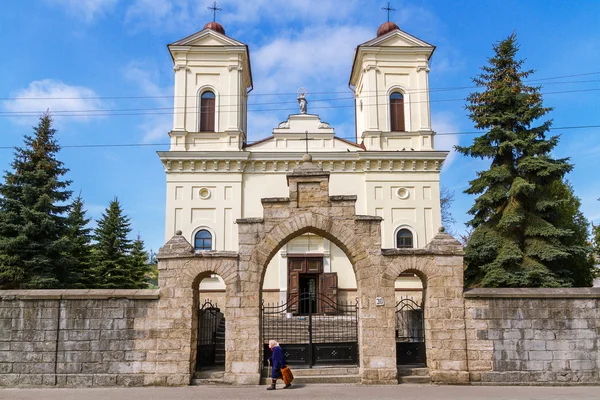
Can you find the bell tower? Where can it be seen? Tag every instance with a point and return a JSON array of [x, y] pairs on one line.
[[391, 90], [212, 82]]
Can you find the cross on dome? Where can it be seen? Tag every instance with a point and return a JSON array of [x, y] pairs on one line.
[[388, 9], [214, 9]]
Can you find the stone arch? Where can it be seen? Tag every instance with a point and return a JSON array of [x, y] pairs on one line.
[[335, 231], [194, 270]]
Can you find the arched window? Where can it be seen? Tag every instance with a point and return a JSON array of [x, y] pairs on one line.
[[207, 112], [404, 239], [396, 112], [203, 240]]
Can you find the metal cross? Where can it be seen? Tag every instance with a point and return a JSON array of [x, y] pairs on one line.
[[306, 139], [214, 9], [388, 9]]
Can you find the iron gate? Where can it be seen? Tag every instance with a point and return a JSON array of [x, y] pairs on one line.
[[410, 333], [211, 336], [320, 331]]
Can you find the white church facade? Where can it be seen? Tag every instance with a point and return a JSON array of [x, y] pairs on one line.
[[215, 176]]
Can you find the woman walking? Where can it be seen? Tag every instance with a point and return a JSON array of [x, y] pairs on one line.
[[277, 361]]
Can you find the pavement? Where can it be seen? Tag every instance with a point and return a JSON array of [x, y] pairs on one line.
[[314, 391]]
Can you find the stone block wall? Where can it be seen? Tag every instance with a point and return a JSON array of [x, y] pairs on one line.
[[533, 336], [73, 337]]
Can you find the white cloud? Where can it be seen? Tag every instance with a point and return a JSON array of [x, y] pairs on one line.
[[86, 10], [155, 127], [320, 60], [66, 102]]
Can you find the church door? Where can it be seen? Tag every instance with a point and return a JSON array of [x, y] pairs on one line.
[[305, 282]]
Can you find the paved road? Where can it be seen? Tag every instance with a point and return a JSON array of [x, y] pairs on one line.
[[320, 391]]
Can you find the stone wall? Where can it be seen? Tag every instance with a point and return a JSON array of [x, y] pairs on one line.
[[533, 336], [74, 337]]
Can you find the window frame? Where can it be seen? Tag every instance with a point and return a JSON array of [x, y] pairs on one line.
[[397, 110], [202, 114], [412, 232], [204, 248]]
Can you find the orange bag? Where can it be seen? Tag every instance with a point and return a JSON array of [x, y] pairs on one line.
[[286, 374]]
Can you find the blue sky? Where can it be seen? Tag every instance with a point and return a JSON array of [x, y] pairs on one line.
[[111, 55]]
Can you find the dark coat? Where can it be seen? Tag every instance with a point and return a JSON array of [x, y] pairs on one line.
[[277, 362]]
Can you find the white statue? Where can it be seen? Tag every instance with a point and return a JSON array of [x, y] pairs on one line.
[[302, 100]]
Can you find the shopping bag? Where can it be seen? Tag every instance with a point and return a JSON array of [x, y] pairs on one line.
[[286, 374]]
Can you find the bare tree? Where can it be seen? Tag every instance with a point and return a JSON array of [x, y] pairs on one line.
[[446, 200]]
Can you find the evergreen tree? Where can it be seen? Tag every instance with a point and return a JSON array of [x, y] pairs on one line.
[[596, 243], [33, 238], [111, 252], [514, 243], [139, 264], [152, 274], [578, 268], [79, 264]]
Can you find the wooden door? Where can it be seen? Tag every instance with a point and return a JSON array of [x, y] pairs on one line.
[[293, 285], [328, 285], [297, 265], [314, 265]]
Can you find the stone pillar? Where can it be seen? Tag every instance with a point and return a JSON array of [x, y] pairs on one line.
[[245, 344], [445, 332]]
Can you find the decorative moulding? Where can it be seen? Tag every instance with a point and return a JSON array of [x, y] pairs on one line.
[[204, 193], [403, 193]]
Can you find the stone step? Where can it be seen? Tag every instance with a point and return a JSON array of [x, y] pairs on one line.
[[417, 379], [210, 374], [346, 379], [319, 371], [201, 382], [413, 371]]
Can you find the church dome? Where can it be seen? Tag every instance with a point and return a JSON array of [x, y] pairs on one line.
[[386, 27], [215, 26]]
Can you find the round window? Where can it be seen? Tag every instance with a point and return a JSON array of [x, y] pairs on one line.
[[402, 193], [204, 193]]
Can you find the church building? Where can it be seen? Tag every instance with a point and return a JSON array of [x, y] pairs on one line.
[[216, 176]]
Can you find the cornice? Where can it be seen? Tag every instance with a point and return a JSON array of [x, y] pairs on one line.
[[273, 162]]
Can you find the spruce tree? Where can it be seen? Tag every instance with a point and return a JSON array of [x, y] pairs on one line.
[[33, 205], [578, 268], [514, 243], [80, 274], [111, 250], [139, 264]]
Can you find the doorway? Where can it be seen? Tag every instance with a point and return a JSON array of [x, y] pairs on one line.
[[308, 285]]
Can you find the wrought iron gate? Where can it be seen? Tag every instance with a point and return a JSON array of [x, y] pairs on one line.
[[211, 336], [308, 337], [410, 333]]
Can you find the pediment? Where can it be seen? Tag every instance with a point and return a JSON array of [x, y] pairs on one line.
[[296, 144], [207, 37], [397, 38]]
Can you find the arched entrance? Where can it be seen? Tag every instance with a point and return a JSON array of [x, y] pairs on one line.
[[309, 303], [210, 345], [410, 320]]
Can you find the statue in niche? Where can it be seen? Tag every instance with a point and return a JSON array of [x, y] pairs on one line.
[[302, 102]]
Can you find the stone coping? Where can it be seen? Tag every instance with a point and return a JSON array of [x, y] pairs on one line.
[[80, 294], [367, 218], [275, 200], [419, 252], [249, 221], [343, 197], [533, 293]]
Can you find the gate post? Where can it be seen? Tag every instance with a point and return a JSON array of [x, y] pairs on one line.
[[377, 327]]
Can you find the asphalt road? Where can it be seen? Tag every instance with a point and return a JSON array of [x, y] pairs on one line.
[[320, 391]]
